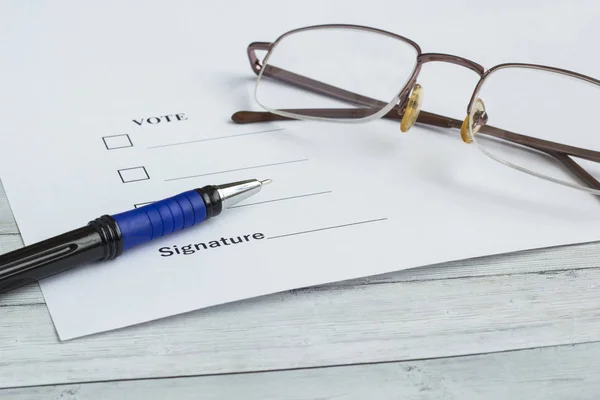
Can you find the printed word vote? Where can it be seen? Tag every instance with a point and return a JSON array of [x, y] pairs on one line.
[[161, 119]]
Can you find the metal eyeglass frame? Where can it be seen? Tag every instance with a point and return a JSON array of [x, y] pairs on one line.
[[395, 109]]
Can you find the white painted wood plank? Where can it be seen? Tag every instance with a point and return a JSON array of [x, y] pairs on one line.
[[583, 256], [372, 323], [7, 222], [10, 242], [564, 258], [536, 261], [566, 372], [27, 295]]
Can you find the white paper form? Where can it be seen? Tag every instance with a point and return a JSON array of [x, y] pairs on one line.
[[108, 108]]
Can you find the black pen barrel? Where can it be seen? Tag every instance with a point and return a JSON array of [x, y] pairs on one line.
[[99, 240]]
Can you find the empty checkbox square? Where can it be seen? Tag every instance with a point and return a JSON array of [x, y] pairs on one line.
[[114, 142], [134, 174]]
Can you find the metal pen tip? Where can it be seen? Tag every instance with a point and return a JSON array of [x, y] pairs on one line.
[[234, 192]]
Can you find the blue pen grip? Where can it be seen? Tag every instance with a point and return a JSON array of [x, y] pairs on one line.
[[160, 218]]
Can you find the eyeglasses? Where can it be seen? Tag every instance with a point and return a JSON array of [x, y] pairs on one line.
[[543, 117]]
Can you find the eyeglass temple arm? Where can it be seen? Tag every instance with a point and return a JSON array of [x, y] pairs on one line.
[[559, 151], [426, 118]]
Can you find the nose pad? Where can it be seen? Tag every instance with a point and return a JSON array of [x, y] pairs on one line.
[[476, 119], [412, 109]]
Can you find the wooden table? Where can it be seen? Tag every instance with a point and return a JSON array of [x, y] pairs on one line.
[[520, 326]]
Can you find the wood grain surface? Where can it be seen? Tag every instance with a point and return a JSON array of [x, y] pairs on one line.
[[523, 325]]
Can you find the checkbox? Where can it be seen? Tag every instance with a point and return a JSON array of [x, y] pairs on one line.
[[138, 205], [134, 174], [117, 142]]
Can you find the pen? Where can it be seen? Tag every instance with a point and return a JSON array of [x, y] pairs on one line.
[[108, 237]]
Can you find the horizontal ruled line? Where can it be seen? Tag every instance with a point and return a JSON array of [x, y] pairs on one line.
[[328, 228], [281, 199], [214, 138], [237, 169]]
